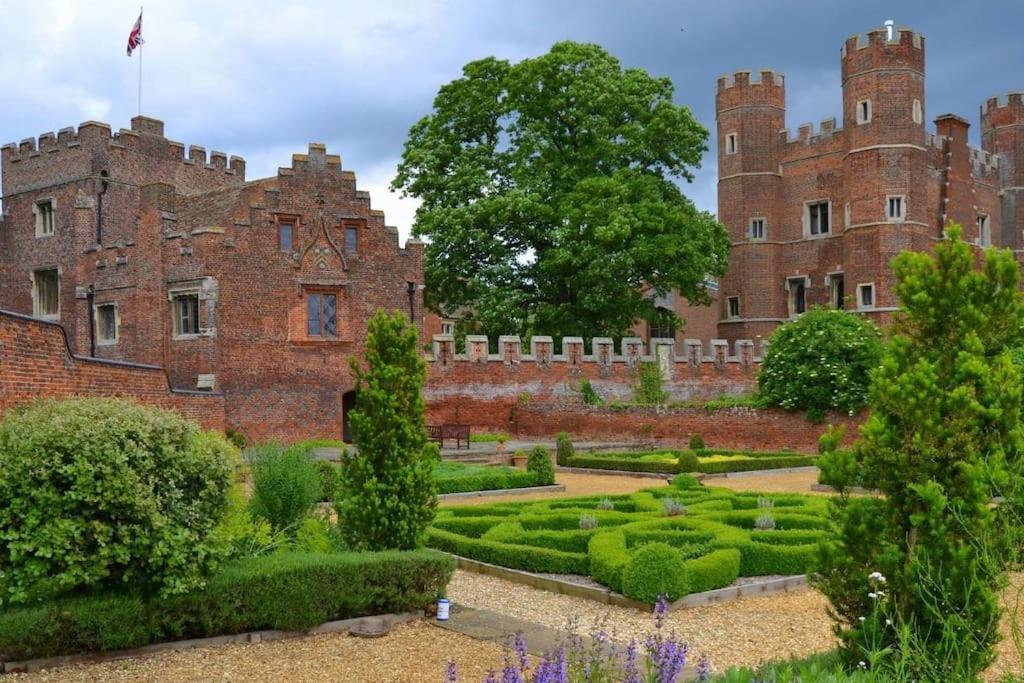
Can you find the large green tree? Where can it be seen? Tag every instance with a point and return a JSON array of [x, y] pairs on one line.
[[912, 575], [549, 194]]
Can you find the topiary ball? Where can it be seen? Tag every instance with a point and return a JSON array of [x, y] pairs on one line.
[[688, 462], [653, 570]]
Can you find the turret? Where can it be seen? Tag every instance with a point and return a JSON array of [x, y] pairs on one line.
[[1002, 134]]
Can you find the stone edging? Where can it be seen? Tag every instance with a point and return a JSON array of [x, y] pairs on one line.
[[33, 665], [615, 473], [553, 488], [606, 596], [751, 473]]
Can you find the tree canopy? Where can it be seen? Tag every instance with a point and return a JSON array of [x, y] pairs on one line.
[[550, 198]]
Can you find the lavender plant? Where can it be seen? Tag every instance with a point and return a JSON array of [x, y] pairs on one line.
[[672, 507], [587, 522], [606, 504], [763, 503], [765, 522], [661, 660]]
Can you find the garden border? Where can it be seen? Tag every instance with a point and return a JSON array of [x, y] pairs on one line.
[[34, 665], [489, 493], [754, 473], [606, 596], [664, 476]]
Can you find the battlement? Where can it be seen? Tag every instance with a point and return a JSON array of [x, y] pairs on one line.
[[1002, 110], [982, 161], [874, 50], [316, 158], [542, 351], [765, 88], [742, 79], [71, 148], [806, 133], [878, 38]]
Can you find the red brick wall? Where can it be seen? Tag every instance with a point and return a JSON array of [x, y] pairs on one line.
[[35, 362]]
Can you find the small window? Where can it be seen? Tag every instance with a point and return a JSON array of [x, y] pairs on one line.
[[447, 327], [818, 218], [352, 239], [731, 145], [286, 235], [797, 296], [46, 293], [757, 228], [895, 209], [846, 215], [918, 112], [863, 112], [984, 231], [106, 323], [321, 314], [734, 307], [866, 296], [186, 313], [44, 217], [837, 291]]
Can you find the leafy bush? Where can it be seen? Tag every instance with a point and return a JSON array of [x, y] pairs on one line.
[[459, 478], [688, 461], [104, 492], [285, 487], [291, 592], [236, 439], [685, 481], [387, 487], [648, 389], [564, 449], [821, 360], [330, 479], [831, 439], [697, 443], [539, 462], [589, 395], [654, 570]]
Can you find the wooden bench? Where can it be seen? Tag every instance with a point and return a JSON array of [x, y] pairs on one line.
[[438, 434]]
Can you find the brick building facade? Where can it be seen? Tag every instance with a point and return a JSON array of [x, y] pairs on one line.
[[817, 218], [260, 290]]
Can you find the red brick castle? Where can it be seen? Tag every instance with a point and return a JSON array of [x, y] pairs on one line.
[[816, 219]]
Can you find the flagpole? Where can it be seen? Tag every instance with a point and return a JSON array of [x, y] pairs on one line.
[[140, 68]]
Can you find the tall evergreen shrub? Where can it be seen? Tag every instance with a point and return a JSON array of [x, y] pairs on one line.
[[387, 492]]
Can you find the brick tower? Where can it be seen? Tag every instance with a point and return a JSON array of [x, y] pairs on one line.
[[1002, 133]]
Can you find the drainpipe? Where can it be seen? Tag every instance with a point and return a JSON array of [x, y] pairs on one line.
[[411, 291], [90, 299], [99, 208]]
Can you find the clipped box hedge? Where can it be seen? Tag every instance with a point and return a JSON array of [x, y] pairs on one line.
[[482, 478], [708, 547], [292, 592], [694, 461]]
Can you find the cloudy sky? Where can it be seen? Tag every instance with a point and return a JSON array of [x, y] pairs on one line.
[[262, 79]]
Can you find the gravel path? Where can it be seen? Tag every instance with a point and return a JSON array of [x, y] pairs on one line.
[[575, 485], [768, 481]]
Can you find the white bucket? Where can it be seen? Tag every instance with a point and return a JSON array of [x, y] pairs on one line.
[[443, 605]]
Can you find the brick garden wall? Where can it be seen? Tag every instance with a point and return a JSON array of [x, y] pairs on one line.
[[35, 362]]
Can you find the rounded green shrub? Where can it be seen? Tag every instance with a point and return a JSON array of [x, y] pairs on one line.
[[539, 462], [821, 360], [104, 492], [330, 479], [688, 461], [564, 449], [653, 570], [697, 443], [685, 481], [285, 485]]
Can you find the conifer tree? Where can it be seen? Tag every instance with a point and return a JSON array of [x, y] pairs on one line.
[[388, 490], [913, 575]]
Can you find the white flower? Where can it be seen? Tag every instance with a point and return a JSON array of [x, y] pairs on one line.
[[871, 595], [860, 619], [862, 664], [888, 622]]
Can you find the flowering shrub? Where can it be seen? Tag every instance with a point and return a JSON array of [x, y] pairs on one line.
[[820, 360], [672, 507], [606, 504], [588, 522], [661, 658], [765, 522]]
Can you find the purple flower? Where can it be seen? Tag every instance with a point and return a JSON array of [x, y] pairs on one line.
[[451, 674], [519, 646], [631, 672], [703, 671], [660, 611]]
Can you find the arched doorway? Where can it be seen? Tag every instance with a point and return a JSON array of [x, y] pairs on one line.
[[348, 402]]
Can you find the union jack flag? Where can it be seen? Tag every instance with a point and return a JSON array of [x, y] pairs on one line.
[[135, 37]]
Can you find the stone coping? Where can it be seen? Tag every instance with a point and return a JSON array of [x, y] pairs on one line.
[[553, 488], [606, 596], [615, 473], [754, 473], [343, 625]]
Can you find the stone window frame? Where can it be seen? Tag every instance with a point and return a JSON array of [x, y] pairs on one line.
[[359, 226], [752, 233], [339, 300], [902, 204], [293, 219], [807, 218], [864, 112], [448, 327], [861, 306], [729, 301], [181, 290], [732, 143], [40, 217], [36, 302], [805, 280], [847, 216], [831, 278], [984, 223], [100, 340], [917, 111]]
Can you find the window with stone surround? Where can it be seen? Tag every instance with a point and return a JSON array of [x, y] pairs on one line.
[[817, 217], [918, 112], [352, 239], [46, 294], [837, 291], [107, 324], [44, 213], [984, 231], [185, 310], [797, 287], [896, 207], [662, 327], [866, 296], [322, 314], [863, 112], [731, 143], [733, 307], [757, 228], [285, 235], [447, 327]]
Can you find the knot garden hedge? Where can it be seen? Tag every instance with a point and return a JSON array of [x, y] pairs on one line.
[[712, 543]]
